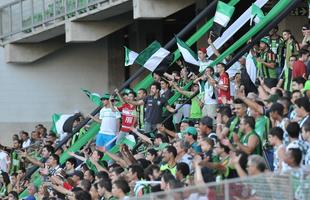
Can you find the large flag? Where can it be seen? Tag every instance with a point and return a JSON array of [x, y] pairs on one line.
[[130, 56], [94, 97], [257, 14], [152, 56], [222, 17], [63, 124], [188, 54]]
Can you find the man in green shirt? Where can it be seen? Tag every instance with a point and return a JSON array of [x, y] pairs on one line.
[[169, 155], [286, 77], [266, 64]]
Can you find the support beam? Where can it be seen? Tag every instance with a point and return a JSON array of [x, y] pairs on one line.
[[90, 31], [158, 8], [28, 53]]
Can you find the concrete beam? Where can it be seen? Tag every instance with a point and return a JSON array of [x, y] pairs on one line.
[[90, 31], [27, 53], [158, 8]]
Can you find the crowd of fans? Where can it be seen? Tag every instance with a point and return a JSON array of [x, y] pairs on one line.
[[249, 119]]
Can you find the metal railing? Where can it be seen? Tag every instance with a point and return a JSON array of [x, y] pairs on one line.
[[23, 16], [267, 186]]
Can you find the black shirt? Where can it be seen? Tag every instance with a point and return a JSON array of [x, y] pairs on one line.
[[154, 109]]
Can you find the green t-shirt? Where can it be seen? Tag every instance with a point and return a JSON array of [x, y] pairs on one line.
[[91, 166], [262, 127], [173, 169], [196, 112]]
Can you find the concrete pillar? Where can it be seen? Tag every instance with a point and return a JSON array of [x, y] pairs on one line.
[[90, 31], [158, 8], [27, 52]]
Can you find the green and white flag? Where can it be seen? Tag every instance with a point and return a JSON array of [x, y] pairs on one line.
[[152, 56], [130, 56], [223, 13], [257, 14], [94, 97], [130, 141], [188, 54], [61, 124]]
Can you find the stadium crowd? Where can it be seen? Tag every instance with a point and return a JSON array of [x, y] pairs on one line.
[[250, 119]]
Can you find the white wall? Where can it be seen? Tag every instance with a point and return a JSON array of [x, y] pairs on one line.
[[31, 93]]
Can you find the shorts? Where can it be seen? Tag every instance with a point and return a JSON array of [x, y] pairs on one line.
[[103, 139], [182, 112]]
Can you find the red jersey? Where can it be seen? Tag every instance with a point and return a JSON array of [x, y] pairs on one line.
[[128, 116], [224, 80], [299, 69]]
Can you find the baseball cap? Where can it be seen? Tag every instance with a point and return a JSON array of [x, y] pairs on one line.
[[105, 96], [78, 173], [191, 130], [265, 40], [208, 121], [203, 49]]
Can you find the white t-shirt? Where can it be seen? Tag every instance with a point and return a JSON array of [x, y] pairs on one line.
[[203, 65], [109, 121], [4, 160], [26, 143]]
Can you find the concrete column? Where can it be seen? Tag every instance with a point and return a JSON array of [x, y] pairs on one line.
[[27, 52], [158, 8], [90, 31]]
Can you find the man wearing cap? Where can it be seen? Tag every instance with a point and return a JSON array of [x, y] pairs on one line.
[[206, 127], [191, 137], [266, 64], [109, 118], [203, 62]]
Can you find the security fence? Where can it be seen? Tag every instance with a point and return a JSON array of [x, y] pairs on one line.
[[263, 187]]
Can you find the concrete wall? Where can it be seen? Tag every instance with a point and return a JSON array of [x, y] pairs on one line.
[[31, 93]]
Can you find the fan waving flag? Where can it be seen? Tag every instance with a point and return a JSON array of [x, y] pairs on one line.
[[257, 14], [152, 56], [94, 97], [130, 56], [63, 124], [188, 54], [222, 17]]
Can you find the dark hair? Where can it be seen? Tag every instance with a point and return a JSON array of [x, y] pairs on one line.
[[143, 162], [293, 129], [91, 172], [143, 90], [24, 133], [82, 195], [286, 101], [303, 52], [102, 175], [106, 183], [183, 168], [152, 151], [211, 68], [163, 138], [277, 107], [296, 91], [49, 148], [172, 149], [222, 64], [85, 184], [135, 168], [249, 120], [287, 31], [239, 101], [226, 111], [149, 170], [296, 155], [157, 85], [122, 185], [117, 170], [299, 80], [165, 81], [167, 176], [303, 102], [56, 157], [277, 132], [15, 194], [72, 161], [6, 178]]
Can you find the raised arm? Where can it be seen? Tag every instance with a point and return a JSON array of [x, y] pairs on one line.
[[216, 52], [32, 160], [81, 158], [143, 137], [119, 96]]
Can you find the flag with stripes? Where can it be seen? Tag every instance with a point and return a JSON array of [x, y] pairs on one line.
[[222, 17], [152, 56], [257, 14], [94, 97], [130, 56], [188, 54]]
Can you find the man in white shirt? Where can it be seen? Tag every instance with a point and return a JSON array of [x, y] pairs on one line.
[[109, 118], [25, 138]]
